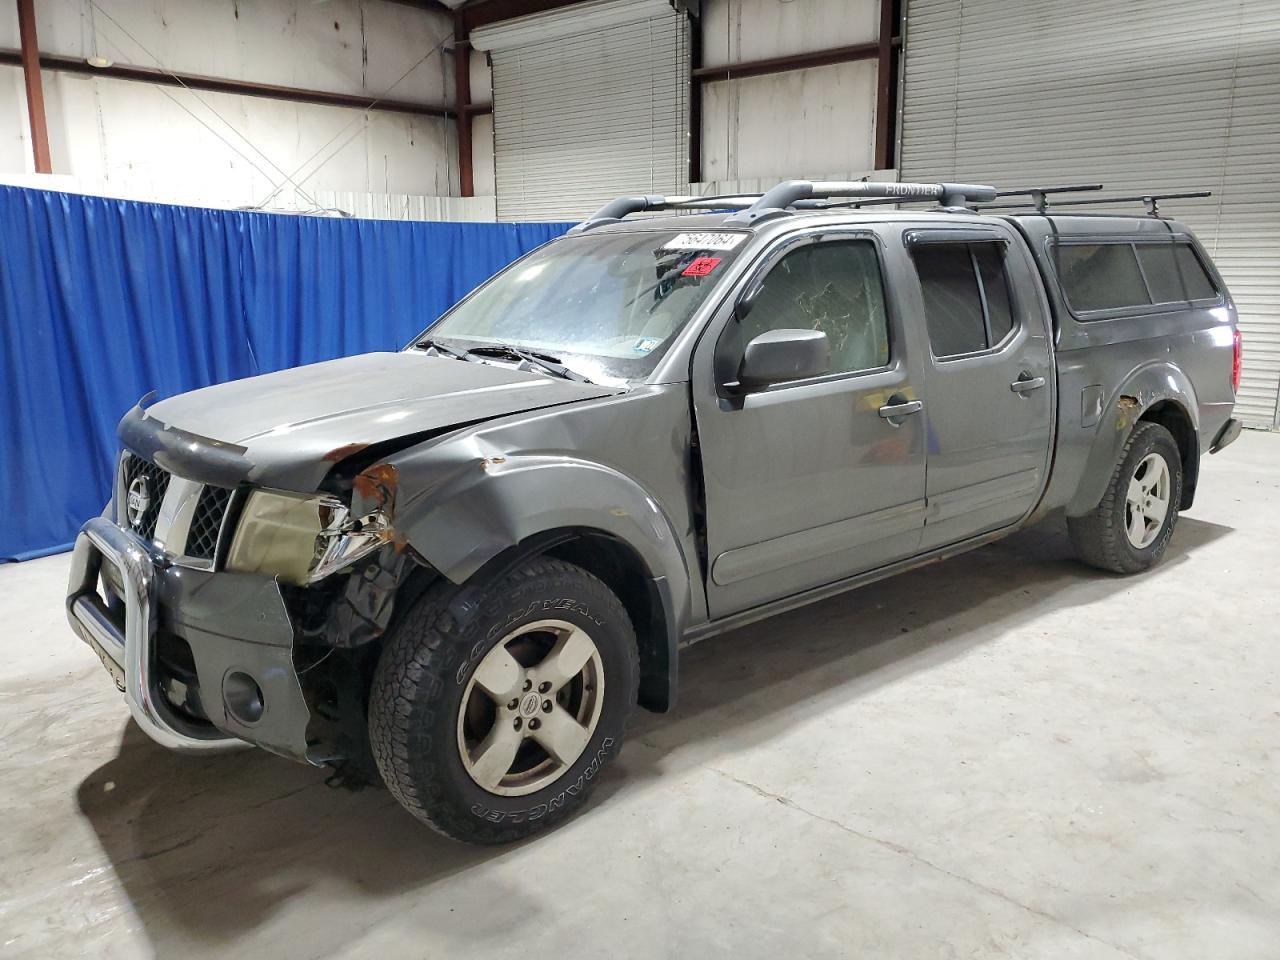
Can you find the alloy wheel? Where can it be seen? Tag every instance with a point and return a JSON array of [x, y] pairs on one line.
[[1147, 501], [531, 707]]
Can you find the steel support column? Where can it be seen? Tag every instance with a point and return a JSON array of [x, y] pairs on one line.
[[35, 88], [462, 104], [885, 74], [695, 100]]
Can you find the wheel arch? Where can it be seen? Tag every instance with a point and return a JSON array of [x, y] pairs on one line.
[[1171, 415], [476, 512], [1157, 392], [646, 596]]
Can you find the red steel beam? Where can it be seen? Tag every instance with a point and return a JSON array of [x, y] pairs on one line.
[[795, 61], [29, 57], [462, 105], [248, 88], [884, 84]]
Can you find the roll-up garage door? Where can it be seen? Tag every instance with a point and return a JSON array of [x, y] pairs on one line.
[[588, 103], [1137, 96]]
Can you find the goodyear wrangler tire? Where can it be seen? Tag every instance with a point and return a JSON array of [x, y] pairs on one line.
[[1128, 531], [493, 729]]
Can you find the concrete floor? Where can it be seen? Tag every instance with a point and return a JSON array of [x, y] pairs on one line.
[[1002, 755]]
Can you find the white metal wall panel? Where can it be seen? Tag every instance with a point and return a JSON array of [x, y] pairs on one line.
[[581, 119], [1139, 96], [790, 124]]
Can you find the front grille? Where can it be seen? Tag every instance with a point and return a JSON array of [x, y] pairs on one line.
[[143, 487], [206, 522]]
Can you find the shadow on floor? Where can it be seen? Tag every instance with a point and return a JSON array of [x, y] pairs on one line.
[[210, 848]]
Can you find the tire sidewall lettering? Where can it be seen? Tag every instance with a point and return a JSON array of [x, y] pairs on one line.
[[539, 810], [528, 612]]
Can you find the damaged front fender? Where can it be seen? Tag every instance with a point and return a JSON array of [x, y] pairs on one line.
[[490, 503]]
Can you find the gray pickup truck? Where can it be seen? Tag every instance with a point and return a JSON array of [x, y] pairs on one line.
[[460, 567]]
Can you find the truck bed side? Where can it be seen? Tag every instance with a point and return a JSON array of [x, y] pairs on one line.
[[1171, 363]]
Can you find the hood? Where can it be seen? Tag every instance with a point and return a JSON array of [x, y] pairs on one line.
[[289, 427]]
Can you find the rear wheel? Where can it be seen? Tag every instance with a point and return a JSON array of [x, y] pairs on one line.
[[499, 727], [1130, 528]]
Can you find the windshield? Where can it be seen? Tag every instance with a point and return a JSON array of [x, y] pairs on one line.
[[605, 305]]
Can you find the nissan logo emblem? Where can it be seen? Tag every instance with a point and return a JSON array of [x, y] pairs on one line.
[[138, 501]]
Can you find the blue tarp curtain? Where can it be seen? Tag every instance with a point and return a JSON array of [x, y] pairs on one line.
[[103, 301]]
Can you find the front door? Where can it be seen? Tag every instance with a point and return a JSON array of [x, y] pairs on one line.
[[988, 380], [810, 481]]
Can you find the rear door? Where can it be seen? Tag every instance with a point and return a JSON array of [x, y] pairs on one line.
[[988, 381], [814, 480]]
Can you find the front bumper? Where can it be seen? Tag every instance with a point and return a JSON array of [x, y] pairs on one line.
[[236, 625]]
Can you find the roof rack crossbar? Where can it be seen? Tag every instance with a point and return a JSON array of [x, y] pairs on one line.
[[1150, 200], [1036, 193], [790, 193], [616, 209], [1040, 195]]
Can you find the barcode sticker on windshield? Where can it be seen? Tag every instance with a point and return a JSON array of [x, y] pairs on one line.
[[704, 241]]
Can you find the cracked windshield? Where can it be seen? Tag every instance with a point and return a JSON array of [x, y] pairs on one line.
[[605, 306]]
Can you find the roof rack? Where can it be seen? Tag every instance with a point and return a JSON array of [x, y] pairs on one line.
[[1037, 194], [820, 195], [616, 209], [796, 195], [800, 194], [1150, 200], [1040, 195]]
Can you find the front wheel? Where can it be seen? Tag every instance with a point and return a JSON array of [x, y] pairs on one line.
[[495, 729], [1130, 528]]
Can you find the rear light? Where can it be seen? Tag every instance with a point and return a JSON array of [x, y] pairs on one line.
[[1235, 361]]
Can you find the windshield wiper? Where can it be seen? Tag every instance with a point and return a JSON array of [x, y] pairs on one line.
[[542, 361], [441, 349]]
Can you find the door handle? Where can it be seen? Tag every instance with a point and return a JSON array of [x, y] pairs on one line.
[[1026, 383], [900, 408]]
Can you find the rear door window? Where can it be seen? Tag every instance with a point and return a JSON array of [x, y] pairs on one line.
[[967, 307], [995, 287]]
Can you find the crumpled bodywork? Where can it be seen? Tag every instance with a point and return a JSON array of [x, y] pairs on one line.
[[467, 502], [288, 429]]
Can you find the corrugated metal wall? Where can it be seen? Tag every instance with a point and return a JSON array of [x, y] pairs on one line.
[[1140, 96], [580, 119]]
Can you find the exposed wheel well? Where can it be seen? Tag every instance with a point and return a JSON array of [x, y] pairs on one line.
[[625, 573], [1171, 415]]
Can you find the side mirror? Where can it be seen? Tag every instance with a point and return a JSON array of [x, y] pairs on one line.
[[778, 356]]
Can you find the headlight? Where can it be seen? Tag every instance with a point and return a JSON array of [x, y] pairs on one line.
[[301, 539]]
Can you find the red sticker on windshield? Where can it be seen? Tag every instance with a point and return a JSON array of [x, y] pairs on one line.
[[700, 267]]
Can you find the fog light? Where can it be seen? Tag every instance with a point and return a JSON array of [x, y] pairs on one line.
[[242, 697]]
